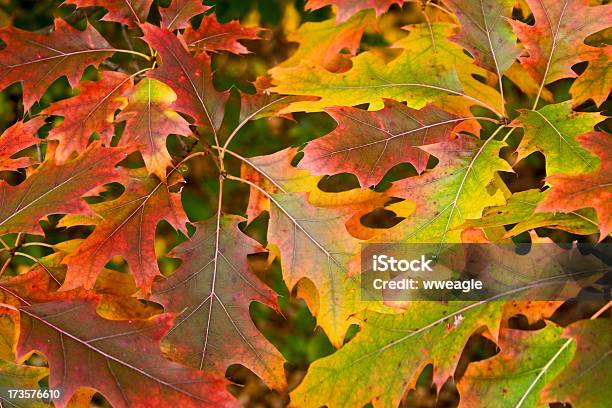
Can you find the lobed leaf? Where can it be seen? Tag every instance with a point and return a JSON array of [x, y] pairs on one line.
[[36, 60], [212, 290]]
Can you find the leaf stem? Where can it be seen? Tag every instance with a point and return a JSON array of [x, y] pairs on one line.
[[138, 54], [253, 165]]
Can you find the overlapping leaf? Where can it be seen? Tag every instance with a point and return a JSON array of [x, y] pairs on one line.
[[386, 357], [56, 188], [444, 196], [127, 229], [314, 244], [368, 144], [179, 12], [93, 110], [331, 39], [556, 41], [346, 8], [429, 67], [486, 33], [596, 81], [214, 36], [520, 209], [190, 77], [149, 120], [39, 59], [584, 382], [571, 192], [16, 138], [552, 130], [213, 290], [120, 359], [130, 12], [517, 375]]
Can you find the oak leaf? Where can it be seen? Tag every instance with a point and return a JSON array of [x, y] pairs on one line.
[[190, 77], [527, 360], [127, 229], [520, 212], [384, 360], [92, 110], [57, 188], [552, 130], [572, 191], [368, 144], [179, 12], [315, 244], [130, 12], [596, 81], [584, 382], [556, 41], [322, 42], [212, 290], [429, 67], [149, 120], [486, 33], [346, 8], [213, 36], [444, 195], [39, 59], [16, 138], [124, 355]]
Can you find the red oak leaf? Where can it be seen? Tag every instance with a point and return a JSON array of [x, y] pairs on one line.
[[347, 8], [16, 138], [213, 289], [190, 77], [128, 12], [150, 121], [556, 41], [571, 192], [368, 144], [56, 188], [214, 36], [120, 359], [93, 110], [127, 229], [39, 59], [178, 14]]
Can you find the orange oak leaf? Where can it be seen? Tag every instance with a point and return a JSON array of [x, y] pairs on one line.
[[347, 8], [57, 188], [214, 36], [213, 289], [368, 144], [120, 359], [571, 192], [16, 138], [274, 174], [331, 40], [128, 12], [149, 121], [93, 110], [127, 229], [596, 81], [556, 41], [178, 14], [190, 77], [39, 59]]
